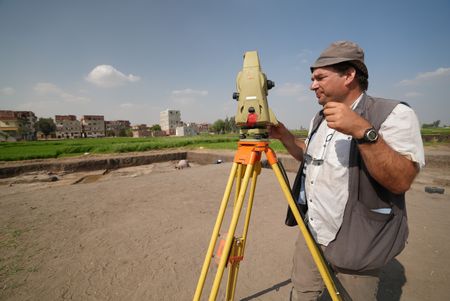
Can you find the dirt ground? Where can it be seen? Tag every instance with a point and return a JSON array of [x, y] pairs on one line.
[[141, 233]]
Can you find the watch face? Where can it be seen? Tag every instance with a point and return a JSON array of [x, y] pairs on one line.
[[372, 135]]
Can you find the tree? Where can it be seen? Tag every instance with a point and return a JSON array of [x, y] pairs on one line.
[[46, 126], [123, 133], [224, 126], [218, 126], [110, 133], [155, 127], [434, 124], [227, 125], [232, 125]]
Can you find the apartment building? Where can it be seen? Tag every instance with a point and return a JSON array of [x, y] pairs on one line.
[[185, 131], [28, 122], [203, 127], [189, 129], [140, 131], [117, 128], [67, 126], [169, 120], [17, 125], [93, 126]]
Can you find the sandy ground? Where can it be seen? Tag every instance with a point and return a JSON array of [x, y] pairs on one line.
[[141, 233]]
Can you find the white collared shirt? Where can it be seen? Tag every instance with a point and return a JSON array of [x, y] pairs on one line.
[[327, 167]]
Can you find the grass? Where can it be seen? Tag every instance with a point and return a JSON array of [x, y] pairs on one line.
[[14, 151], [435, 131], [435, 136]]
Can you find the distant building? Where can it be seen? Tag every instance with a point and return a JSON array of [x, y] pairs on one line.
[[169, 120], [117, 128], [28, 122], [140, 131], [189, 129], [203, 127], [93, 126], [186, 131], [158, 133], [9, 126], [17, 125], [67, 126]]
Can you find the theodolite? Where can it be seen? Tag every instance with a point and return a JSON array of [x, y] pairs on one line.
[[253, 113]]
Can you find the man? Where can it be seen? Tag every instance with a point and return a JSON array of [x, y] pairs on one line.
[[361, 156]]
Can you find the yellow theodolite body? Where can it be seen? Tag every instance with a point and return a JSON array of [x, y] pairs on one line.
[[252, 90]]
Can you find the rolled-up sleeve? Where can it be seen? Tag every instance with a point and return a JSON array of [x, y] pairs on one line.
[[401, 131]]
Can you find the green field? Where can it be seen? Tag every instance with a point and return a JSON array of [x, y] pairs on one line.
[[436, 131], [11, 151], [433, 136]]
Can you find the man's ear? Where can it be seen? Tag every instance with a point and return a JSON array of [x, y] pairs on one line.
[[350, 76]]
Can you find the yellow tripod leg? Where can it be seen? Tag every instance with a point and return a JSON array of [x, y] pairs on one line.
[[256, 172], [238, 247], [215, 234], [236, 252], [232, 230], [318, 259], [249, 155], [239, 177]]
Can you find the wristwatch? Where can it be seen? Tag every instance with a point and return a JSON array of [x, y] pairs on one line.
[[370, 136]]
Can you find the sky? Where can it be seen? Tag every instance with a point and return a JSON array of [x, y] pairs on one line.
[[130, 60]]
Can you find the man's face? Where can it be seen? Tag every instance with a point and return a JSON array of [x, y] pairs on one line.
[[328, 85]]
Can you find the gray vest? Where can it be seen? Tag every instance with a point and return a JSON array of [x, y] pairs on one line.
[[366, 240]]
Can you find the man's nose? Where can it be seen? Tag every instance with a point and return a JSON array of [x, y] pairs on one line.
[[313, 85]]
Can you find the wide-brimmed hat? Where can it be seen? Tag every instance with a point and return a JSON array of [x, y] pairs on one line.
[[342, 51]]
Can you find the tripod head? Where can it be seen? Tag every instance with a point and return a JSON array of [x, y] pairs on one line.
[[253, 113]]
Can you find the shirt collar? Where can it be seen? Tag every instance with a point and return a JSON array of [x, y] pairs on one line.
[[356, 102]]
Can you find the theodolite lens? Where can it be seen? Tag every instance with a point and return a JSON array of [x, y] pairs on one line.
[[270, 84]]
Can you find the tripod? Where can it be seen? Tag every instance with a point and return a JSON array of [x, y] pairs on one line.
[[246, 165]]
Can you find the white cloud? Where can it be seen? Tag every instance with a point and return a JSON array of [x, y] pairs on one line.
[[47, 88], [126, 105], [187, 96], [290, 89], [7, 91], [421, 77], [189, 92], [293, 90], [107, 76], [50, 89], [304, 55]]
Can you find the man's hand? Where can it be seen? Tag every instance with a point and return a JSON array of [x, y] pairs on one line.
[[343, 119], [389, 168], [294, 146], [277, 131]]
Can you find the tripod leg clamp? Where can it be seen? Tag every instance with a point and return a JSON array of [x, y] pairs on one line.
[[235, 255]]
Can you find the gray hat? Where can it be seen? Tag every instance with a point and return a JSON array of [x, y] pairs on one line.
[[342, 51]]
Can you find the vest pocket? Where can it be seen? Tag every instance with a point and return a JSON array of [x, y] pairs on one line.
[[367, 240]]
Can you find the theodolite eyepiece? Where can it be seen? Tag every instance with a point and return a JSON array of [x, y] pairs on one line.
[[253, 113]]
